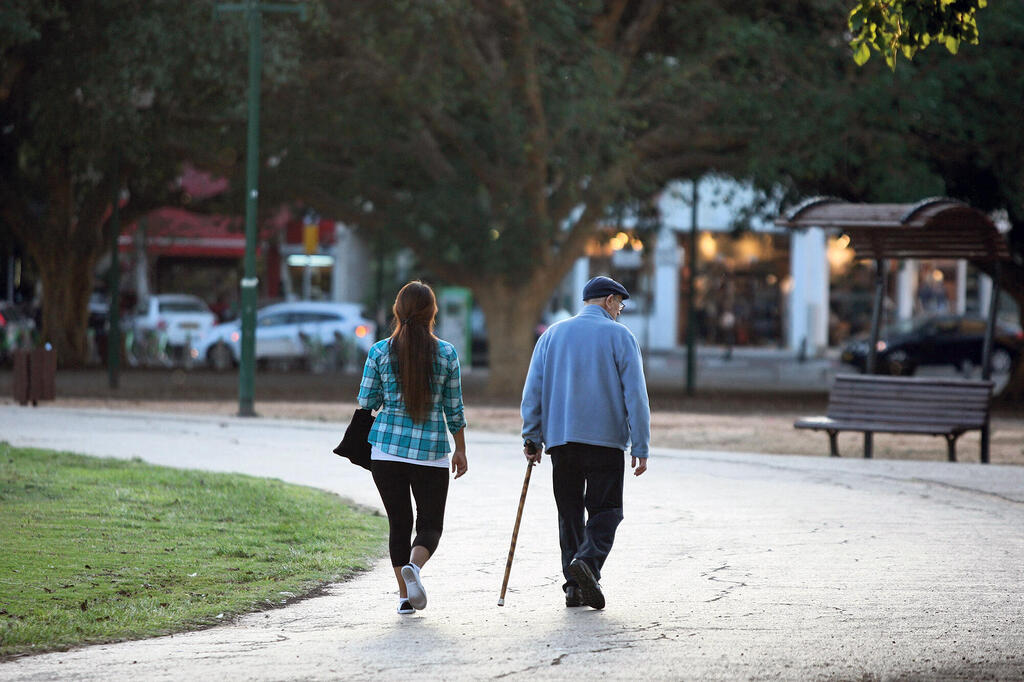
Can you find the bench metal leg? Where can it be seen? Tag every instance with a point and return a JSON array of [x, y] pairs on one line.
[[868, 444], [951, 447], [833, 443], [984, 442]]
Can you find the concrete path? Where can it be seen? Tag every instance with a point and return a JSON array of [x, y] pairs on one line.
[[728, 566]]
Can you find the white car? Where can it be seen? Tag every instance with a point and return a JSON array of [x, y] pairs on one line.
[[183, 318], [289, 331]]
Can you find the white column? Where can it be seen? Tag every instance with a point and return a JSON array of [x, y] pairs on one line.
[[286, 280], [141, 264], [307, 282], [984, 293], [341, 238], [808, 299], [661, 319], [579, 277], [351, 265], [961, 286], [906, 292]]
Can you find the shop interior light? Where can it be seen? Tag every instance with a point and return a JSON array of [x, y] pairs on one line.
[[299, 260], [839, 255], [707, 246]]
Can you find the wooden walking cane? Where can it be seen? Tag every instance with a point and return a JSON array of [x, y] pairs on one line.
[[515, 533]]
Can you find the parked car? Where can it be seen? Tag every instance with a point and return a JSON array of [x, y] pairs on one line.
[[940, 340], [181, 318], [290, 332]]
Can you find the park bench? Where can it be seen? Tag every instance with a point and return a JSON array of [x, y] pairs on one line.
[[938, 407]]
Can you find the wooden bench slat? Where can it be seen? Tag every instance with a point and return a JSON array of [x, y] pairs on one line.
[[828, 422], [908, 408], [908, 415], [899, 403], [895, 424], [942, 397], [929, 393], [877, 379]]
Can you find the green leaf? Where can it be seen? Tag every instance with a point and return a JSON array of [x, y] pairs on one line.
[[861, 54]]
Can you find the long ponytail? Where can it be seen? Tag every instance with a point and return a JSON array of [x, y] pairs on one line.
[[413, 346]]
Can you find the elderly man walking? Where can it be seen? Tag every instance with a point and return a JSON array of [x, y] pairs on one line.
[[585, 401]]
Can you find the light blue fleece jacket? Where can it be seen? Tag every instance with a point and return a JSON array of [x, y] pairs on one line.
[[586, 385]]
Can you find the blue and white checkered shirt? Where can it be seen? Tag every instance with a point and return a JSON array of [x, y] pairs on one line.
[[394, 431]]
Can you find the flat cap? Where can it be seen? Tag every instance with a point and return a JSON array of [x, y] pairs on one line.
[[602, 286]]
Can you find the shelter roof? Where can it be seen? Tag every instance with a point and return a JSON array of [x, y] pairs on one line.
[[932, 228]]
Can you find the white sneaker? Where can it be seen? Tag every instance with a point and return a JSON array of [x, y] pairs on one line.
[[404, 607], [413, 586]]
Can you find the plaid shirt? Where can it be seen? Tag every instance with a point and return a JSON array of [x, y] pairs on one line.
[[394, 431]]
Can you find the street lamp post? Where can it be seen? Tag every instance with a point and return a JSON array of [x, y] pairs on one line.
[[114, 284], [254, 15], [691, 314]]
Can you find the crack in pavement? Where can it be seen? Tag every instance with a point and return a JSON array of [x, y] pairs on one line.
[[561, 657]]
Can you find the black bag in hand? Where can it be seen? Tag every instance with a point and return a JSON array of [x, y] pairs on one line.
[[354, 445]]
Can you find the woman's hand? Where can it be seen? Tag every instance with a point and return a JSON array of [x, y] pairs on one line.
[[459, 465]]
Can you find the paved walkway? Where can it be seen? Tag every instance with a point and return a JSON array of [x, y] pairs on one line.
[[728, 566]]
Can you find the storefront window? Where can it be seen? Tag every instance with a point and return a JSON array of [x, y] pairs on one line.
[[738, 289], [622, 257]]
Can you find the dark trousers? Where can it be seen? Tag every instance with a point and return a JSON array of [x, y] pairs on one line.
[[429, 486], [587, 477]]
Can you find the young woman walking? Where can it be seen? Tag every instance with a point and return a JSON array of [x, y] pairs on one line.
[[413, 378]]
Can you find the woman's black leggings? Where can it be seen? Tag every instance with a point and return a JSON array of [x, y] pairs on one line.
[[429, 486]]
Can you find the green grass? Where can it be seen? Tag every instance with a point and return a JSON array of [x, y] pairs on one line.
[[100, 550]]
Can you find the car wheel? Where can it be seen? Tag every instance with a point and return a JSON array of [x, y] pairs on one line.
[[220, 357], [1002, 361]]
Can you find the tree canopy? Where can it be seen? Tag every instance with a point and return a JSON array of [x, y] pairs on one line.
[[494, 138], [905, 27], [90, 87]]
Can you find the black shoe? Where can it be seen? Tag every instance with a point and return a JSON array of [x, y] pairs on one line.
[[589, 589], [573, 596]]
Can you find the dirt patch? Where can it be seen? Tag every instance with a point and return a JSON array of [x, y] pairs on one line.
[[711, 420]]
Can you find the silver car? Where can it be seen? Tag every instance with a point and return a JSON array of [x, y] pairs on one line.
[[183, 318], [317, 332]]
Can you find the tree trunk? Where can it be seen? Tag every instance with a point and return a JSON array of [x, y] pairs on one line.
[[67, 280], [512, 315], [67, 286]]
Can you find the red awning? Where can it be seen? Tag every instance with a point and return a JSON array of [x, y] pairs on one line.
[[177, 232]]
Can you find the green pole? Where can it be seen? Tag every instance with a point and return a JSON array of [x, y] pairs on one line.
[[691, 314], [246, 373], [114, 282], [254, 14]]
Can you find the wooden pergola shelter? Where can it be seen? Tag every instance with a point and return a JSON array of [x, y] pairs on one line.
[[939, 228]]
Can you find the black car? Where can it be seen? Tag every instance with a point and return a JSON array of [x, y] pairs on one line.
[[941, 340]]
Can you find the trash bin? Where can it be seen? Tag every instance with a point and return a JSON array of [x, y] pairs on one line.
[[35, 375]]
